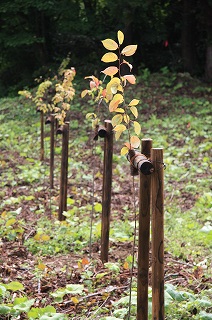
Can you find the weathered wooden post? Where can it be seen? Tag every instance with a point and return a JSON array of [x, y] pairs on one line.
[[64, 130], [41, 136], [51, 120], [157, 186], [107, 184], [143, 237]]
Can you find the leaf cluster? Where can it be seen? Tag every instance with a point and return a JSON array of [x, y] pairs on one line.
[[54, 96], [113, 93]]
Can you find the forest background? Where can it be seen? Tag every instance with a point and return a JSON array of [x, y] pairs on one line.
[[35, 36]]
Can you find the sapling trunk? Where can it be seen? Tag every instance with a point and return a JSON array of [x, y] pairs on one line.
[[64, 130], [106, 190], [157, 181]]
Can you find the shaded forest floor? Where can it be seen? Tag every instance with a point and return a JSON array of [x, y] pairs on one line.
[[59, 264]]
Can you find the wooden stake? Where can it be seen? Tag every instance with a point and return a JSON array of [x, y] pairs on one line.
[[64, 171], [52, 121], [157, 182], [143, 238], [106, 191], [41, 136]]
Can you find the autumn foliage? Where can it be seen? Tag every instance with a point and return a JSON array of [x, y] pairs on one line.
[[112, 93]]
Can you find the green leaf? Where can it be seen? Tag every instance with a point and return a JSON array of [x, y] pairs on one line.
[[112, 266], [55, 316], [25, 306], [4, 309], [2, 290], [74, 288], [205, 316], [98, 207], [35, 313], [14, 286]]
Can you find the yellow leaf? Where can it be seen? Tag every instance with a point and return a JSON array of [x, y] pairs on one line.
[[4, 214], [112, 87], [74, 300], [120, 128], [137, 127], [130, 78], [117, 135], [109, 57], [134, 102], [110, 44], [83, 93], [126, 118], [135, 142], [117, 119], [41, 266], [90, 116], [124, 151], [120, 110], [120, 36], [45, 237], [10, 222], [37, 237], [134, 111], [129, 50], [110, 71]]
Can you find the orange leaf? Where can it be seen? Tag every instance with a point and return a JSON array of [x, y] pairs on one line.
[[85, 261], [129, 50], [110, 71], [126, 265], [130, 78], [113, 105], [135, 142]]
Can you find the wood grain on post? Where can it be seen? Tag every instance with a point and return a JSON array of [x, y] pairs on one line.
[[106, 190], [64, 172], [157, 181], [41, 136], [52, 122], [143, 237]]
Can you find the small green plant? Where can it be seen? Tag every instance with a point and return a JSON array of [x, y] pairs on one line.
[[54, 96], [11, 227], [113, 93]]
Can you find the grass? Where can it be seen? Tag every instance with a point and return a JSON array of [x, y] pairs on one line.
[[50, 260]]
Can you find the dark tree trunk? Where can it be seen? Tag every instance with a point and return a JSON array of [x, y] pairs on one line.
[[189, 55], [207, 20]]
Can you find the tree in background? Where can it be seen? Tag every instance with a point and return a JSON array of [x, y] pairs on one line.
[[35, 36]]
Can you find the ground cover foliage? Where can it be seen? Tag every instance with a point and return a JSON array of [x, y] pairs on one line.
[[46, 271]]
